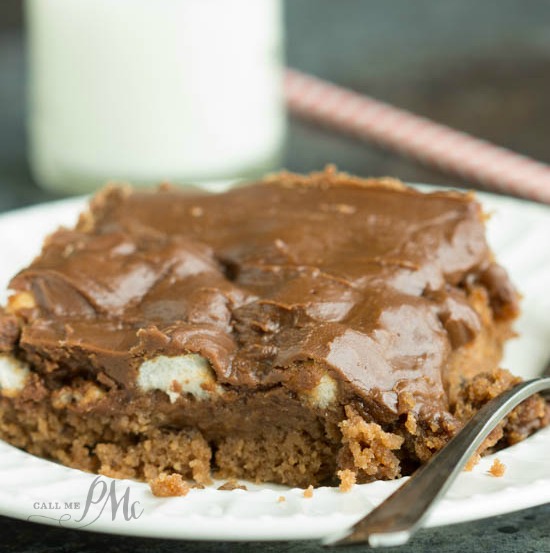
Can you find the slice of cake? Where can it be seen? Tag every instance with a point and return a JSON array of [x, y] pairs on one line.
[[287, 331]]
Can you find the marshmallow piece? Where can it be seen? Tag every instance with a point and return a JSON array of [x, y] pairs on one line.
[[13, 375], [179, 375]]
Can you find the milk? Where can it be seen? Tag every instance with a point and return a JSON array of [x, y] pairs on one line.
[[153, 90]]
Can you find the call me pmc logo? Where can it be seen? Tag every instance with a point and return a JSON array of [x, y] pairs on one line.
[[102, 498]]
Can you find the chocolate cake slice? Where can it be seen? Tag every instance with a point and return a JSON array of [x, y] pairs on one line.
[[293, 331]]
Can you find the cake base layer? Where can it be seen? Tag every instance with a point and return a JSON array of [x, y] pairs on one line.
[[267, 436], [112, 445]]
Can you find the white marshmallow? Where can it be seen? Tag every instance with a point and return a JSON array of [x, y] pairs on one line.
[[324, 393], [13, 375], [185, 374]]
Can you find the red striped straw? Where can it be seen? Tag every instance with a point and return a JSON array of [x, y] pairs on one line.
[[419, 138]]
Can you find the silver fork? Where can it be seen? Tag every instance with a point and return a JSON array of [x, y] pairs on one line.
[[398, 518]]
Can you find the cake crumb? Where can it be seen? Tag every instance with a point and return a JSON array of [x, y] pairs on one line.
[[497, 469], [411, 424], [369, 447], [347, 480], [281, 499], [308, 492], [169, 485], [232, 484], [472, 462]]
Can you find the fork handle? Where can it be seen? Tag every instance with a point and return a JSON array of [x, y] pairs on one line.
[[396, 520]]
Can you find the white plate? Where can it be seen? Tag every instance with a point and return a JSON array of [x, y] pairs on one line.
[[519, 233]]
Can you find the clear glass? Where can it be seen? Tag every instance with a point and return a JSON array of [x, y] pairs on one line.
[[153, 90]]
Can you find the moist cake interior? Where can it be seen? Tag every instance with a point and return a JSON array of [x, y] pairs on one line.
[[296, 330]]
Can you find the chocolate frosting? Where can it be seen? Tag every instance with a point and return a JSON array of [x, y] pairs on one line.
[[275, 283]]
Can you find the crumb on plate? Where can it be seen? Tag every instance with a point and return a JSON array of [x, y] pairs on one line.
[[169, 485], [232, 484], [497, 468], [347, 480]]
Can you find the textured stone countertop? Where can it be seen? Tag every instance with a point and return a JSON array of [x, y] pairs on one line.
[[483, 67]]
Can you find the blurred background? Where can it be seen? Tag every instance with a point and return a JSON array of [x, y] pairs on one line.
[[482, 67]]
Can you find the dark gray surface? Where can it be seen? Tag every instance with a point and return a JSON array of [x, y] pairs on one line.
[[483, 67], [526, 532]]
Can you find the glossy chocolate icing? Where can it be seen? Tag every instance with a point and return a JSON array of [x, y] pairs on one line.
[[275, 283]]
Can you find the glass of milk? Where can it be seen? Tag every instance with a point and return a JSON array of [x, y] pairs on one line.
[[153, 90]]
